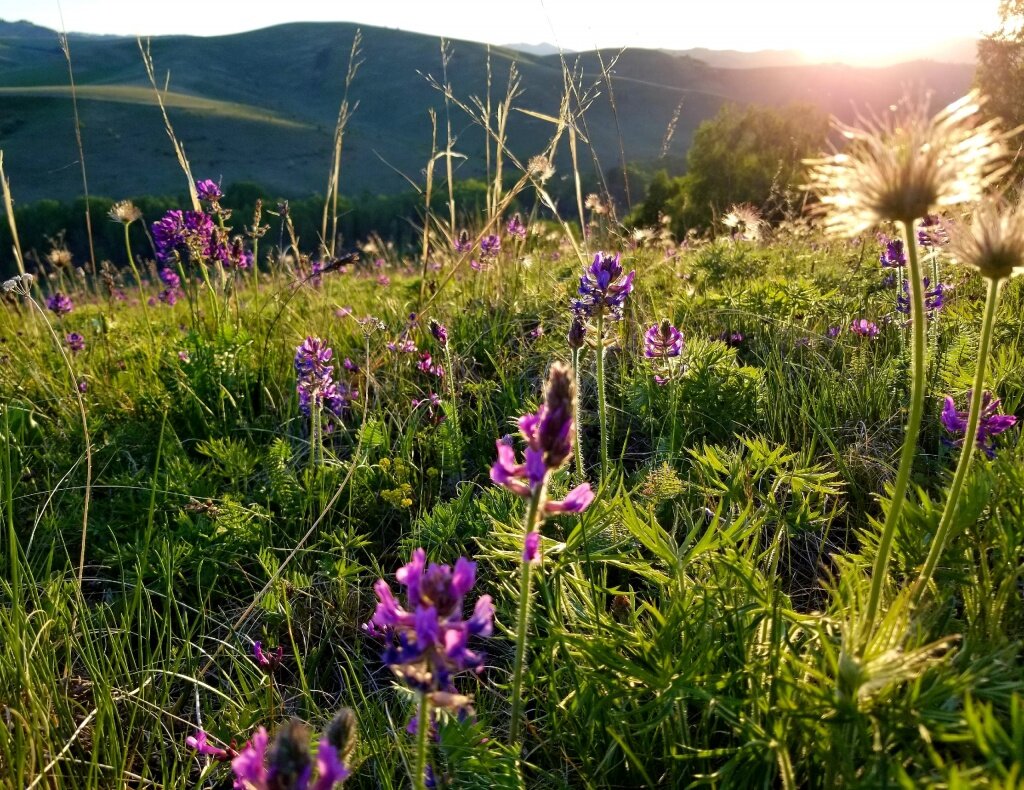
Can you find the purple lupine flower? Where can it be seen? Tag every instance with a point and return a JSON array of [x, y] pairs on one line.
[[990, 423], [207, 190], [549, 436], [330, 768], [383, 280], [893, 255], [178, 232], [934, 298], [237, 256], [733, 339], [577, 332], [315, 383], [662, 341], [427, 639], [889, 280], [463, 242], [83, 386], [515, 227], [201, 744], [427, 365], [406, 346], [349, 365], [833, 332], [439, 331], [490, 246], [60, 304], [932, 232], [268, 662], [169, 295], [603, 288], [864, 328], [250, 766], [75, 342]]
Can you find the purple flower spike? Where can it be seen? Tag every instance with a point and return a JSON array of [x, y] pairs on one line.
[[576, 501], [531, 548], [315, 383], [428, 637], [515, 227], [60, 304], [603, 288], [990, 423], [893, 254], [490, 246], [330, 768], [463, 243], [439, 331], [662, 341]]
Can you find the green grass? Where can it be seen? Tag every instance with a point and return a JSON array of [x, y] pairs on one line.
[[691, 629]]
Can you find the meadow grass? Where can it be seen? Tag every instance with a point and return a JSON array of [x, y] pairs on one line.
[[694, 627]]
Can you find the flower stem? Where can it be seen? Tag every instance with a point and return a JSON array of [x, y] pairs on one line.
[[419, 777], [525, 580], [578, 444], [454, 402], [138, 282], [970, 441], [602, 413], [917, 387]]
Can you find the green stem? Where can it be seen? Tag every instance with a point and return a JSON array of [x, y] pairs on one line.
[[138, 283], [525, 580], [602, 413], [970, 441], [917, 387], [578, 445], [455, 405], [419, 777]]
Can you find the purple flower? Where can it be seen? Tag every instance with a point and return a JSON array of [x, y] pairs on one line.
[[330, 767], [864, 328], [733, 339], [402, 346], [893, 254], [249, 766], [934, 298], [207, 190], [990, 424], [932, 232], [268, 662], [75, 342], [490, 246], [577, 332], [60, 304], [200, 743], [439, 331], [179, 233], [427, 365], [315, 384], [662, 341], [427, 639], [83, 386], [531, 548], [463, 243], [833, 332], [549, 437], [184, 357], [603, 288], [515, 227]]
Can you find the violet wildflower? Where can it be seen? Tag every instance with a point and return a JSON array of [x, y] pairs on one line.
[[934, 298], [406, 346], [662, 341], [184, 357], [317, 390], [549, 437], [201, 744], [83, 386], [172, 282], [990, 424], [439, 331], [932, 232], [349, 365], [463, 243], [864, 328], [60, 304], [531, 548], [178, 233], [427, 365], [490, 246], [209, 191], [893, 255], [268, 662], [75, 342], [833, 332], [577, 332], [603, 288], [515, 227]]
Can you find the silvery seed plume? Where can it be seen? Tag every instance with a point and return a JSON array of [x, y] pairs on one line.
[[993, 241], [906, 166]]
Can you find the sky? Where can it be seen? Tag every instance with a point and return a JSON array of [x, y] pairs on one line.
[[859, 31]]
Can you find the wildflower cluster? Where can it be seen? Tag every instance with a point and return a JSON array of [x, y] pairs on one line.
[[59, 303], [428, 638], [549, 435], [934, 298], [603, 288], [662, 344], [194, 236], [990, 423], [316, 387]]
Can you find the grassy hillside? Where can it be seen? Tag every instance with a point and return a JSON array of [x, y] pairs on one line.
[[233, 97]]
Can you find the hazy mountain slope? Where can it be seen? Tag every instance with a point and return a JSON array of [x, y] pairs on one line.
[[234, 95]]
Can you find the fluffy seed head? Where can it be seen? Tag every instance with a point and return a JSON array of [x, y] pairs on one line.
[[993, 242], [906, 166]]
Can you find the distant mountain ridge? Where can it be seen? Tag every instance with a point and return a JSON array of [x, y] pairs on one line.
[[261, 106]]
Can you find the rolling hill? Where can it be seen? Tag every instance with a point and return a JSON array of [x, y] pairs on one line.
[[260, 106]]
